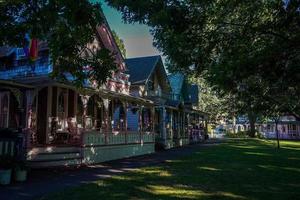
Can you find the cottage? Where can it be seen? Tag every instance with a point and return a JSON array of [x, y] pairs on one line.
[[195, 121], [288, 127], [176, 119], [65, 125]]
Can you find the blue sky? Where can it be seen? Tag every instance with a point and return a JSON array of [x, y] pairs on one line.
[[137, 38]]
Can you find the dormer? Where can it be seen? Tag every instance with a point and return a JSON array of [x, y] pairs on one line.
[[148, 77]]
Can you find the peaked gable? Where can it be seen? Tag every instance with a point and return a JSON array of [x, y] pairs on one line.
[[141, 68]]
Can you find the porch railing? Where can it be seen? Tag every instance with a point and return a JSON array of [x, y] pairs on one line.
[[163, 95], [288, 135], [96, 138], [41, 67]]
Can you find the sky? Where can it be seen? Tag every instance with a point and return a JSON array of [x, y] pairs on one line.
[[137, 38]]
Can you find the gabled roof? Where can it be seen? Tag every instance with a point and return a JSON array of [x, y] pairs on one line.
[[176, 81], [140, 69]]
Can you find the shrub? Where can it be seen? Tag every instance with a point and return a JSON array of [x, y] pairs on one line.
[[240, 134]]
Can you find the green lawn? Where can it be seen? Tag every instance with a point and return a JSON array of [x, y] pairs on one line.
[[237, 169]]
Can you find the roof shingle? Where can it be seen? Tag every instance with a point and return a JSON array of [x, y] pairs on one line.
[[141, 68]]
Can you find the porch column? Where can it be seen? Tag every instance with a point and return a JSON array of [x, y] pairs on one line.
[[188, 125], [164, 131], [152, 123], [85, 100], [125, 105], [171, 124], [141, 123], [112, 120], [206, 125], [183, 124], [106, 118], [180, 124], [29, 100], [49, 109]]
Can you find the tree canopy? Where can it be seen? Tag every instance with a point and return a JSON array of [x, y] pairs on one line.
[[67, 27], [254, 45]]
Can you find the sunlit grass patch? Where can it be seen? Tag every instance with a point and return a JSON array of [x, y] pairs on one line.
[[209, 168], [257, 153]]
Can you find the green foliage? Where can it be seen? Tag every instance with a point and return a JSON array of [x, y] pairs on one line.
[[236, 43], [218, 106], [67, 26], [120, 43], [239, 134]]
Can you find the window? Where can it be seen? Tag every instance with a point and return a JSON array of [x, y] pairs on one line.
[[150, 85]]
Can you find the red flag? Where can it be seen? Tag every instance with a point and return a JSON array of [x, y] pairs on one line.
[[33, 51]]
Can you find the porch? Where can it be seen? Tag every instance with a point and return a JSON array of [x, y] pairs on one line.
[[176, 126], [67, 126]]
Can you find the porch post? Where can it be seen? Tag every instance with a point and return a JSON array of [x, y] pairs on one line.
[[152, 122], [125, 121], [106, 118], [164, 132], [85, 100], [141, 123], [183, 124], [49, 109], [171, 124], [112, 120], [188, 125], [29, 100]]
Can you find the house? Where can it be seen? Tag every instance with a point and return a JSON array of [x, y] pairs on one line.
[[187, 94], [65, 125], [288, 127], [174, 100]]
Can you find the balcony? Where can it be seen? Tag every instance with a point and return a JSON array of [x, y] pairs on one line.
[[40, 67], [158, 94]]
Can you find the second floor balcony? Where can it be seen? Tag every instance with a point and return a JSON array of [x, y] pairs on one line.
[[39, 67], [158, 94]]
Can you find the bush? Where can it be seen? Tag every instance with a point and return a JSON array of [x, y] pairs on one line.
[[240, 134]]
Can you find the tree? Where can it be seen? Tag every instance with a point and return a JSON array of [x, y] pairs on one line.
[[67, 27], [120, 43], [212, 102], [253, 43]]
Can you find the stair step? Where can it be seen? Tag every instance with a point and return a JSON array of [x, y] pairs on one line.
[[53, 156], [52, 149], [54, 163]]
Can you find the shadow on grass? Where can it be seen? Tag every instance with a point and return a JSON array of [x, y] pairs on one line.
[[246, 169]]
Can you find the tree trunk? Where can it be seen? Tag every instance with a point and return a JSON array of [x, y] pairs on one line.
[[234, 125], [252, 120]]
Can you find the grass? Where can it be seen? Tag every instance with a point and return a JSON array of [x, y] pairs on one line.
[[237, 169]]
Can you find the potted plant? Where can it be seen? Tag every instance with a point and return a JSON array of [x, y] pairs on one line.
[[21, 170], [6, 164]]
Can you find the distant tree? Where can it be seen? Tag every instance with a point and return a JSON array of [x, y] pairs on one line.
[[217, 105], [120, 43], [67, 26]]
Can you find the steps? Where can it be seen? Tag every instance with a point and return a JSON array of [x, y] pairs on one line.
[[43, 157]]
